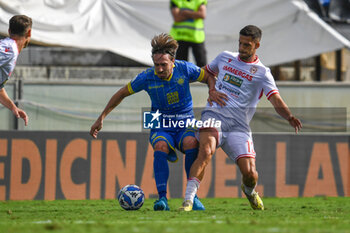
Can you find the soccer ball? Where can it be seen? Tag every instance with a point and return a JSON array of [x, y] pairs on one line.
[[131, 197]]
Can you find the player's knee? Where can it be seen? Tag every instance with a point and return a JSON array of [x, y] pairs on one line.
[[205, 154], [207, 150], [251, 175], [161, 146], [189, 142]]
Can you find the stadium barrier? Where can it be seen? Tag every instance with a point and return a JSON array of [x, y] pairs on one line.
[[46, 165]]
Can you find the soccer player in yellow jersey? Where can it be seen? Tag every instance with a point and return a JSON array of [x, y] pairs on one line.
[[167, 84]]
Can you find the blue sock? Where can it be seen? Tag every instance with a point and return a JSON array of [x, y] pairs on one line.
[[161, 172], [190, 157]]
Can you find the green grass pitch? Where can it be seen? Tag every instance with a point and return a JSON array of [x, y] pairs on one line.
[[320, 214]]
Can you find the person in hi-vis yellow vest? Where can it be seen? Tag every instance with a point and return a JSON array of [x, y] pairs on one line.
[[188, 28]]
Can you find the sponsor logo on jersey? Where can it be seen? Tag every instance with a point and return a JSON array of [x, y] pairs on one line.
[[233, 80], [239, 73], [232, 92], [156, 86]]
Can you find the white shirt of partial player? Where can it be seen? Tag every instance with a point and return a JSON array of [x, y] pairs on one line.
[[8, 57], [244, 90]]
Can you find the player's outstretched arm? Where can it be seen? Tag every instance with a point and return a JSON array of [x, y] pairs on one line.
[[115, 100], [8, 103], [283, 110]]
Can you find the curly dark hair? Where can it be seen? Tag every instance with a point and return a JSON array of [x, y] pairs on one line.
[[164, 44]]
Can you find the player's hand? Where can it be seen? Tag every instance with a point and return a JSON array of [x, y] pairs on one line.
[[295, 123], [97, 126], [218, 97], [19, 113]]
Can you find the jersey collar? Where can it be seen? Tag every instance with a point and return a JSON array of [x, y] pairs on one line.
[[171, 75], [15, 43], [256, 60]]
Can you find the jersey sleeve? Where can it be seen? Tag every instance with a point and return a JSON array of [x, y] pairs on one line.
[[195, 73], [5, 58], [213, 66], [138, 83], [269, 85]]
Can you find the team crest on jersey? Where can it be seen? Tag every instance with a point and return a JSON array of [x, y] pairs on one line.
[[180, 81], [253, 69], [233, 80]]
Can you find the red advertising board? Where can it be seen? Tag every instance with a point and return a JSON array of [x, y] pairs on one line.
[[72, 165]]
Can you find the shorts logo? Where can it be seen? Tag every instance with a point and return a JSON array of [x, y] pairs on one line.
[[151, 120], [233, 80]]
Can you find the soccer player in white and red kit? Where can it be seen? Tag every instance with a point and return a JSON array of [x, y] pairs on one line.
[[20, 27], [242, 79]]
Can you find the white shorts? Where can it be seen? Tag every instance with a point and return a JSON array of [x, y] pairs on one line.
[[234, 140]]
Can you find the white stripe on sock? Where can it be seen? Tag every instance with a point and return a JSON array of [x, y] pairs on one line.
[[191, 189], [249, 190]]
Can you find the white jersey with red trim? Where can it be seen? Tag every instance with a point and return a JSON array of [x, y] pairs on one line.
[[244, 83], [8, 57]]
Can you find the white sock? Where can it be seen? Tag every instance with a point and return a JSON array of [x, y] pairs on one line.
[[191, 189], [249, 190]]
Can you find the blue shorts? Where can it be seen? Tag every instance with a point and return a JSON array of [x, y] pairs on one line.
[[173, 138]]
